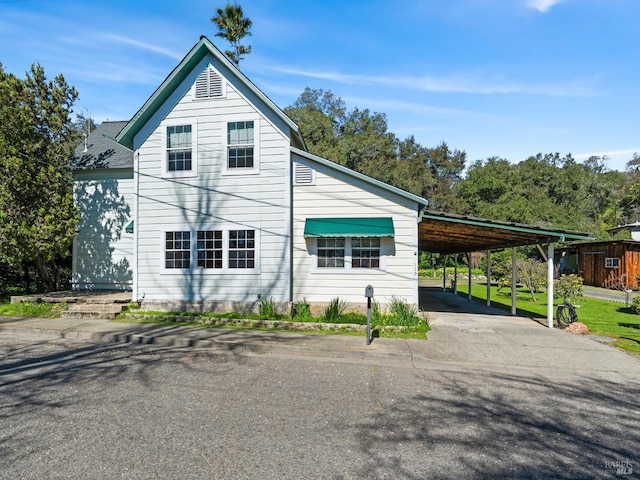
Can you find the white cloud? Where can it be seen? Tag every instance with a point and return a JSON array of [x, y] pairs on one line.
[[469, 84], [413, 107], [542, 6], [143, 46], [610, 153]]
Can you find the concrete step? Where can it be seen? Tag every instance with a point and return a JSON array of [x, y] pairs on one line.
[[96, 315], [93, 310]]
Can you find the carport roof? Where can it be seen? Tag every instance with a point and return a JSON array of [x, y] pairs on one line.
[[447, 233]]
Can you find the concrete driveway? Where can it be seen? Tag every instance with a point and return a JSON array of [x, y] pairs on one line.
[[469, 333]]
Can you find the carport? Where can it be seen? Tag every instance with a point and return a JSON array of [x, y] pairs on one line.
[[450, 234]]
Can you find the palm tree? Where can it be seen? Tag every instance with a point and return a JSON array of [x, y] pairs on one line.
[[234, 27]]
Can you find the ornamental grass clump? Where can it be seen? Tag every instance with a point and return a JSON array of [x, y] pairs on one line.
[[267, 308], [301, 310], [334, 310], [402, 313]]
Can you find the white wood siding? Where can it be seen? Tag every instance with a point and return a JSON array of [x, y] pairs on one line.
[[102, 250], [333, 195], [211, 199]]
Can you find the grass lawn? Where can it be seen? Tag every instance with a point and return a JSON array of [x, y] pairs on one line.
[[609, 319], [30, 309]]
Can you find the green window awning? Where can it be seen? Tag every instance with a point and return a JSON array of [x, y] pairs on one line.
[[129, 228], [349, 227]]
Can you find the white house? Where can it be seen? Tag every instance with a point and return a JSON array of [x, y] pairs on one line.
[[228, 206]]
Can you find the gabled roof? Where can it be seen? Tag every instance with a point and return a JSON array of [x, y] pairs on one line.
[[102, 150], [182, 70], [446, 233], [359, 176]]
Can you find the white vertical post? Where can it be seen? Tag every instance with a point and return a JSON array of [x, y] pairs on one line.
[[469, 274], [455, 274], [444, 274], [513, 280], [550, 269], [488, 278]]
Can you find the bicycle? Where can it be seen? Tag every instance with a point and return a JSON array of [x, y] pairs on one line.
[[566, 313]]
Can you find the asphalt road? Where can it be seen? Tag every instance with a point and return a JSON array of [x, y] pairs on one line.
[[105, 411]]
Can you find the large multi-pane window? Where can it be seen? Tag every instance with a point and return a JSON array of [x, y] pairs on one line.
[[240, 144], [209, 248], [331, 252], [220, 249], [179, 154], [177, 254], [365, 252], [242, 248], [349, 252]]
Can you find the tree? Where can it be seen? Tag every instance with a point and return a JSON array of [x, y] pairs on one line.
[[37, 216], [533, 274], [233, 27], [446, 167], [320, 115]]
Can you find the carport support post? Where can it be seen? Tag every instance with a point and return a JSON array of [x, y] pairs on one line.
[[550, 270], [455, 274], [514, 272], [469, 274], [488, 278], [444, 274]]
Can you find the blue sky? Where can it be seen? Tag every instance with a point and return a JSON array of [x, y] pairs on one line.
[[506, 78]]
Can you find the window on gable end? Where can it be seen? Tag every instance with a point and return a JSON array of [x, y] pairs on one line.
[[209, 84]]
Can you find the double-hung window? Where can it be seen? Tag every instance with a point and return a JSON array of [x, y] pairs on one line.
[[179, 143], [242, 249], [179, 154], [177, 250], [209, 248], [242, 147], [331, 252], [223, 249], [365, 252]]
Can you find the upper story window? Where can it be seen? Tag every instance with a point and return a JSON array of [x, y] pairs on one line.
[[179, 149], [179, 154], [240, 144]]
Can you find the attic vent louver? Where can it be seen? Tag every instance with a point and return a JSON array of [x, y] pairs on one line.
[[209, 84], [303, 174]]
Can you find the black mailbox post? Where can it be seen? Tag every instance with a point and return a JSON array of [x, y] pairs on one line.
[[368, 292]]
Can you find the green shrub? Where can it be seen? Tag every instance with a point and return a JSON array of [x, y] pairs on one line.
[[635, 305], [334, 310], [301, 309], [568, 287]]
